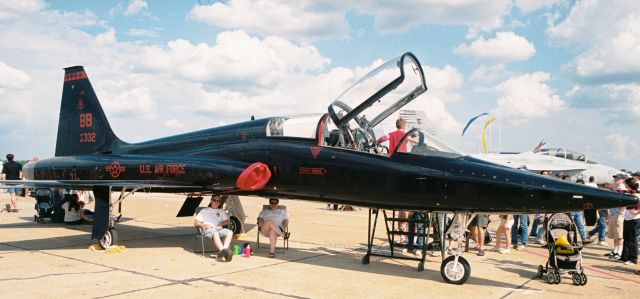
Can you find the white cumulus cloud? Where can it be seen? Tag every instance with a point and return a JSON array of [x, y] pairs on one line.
[[607, 34], [505, 47], [620, 143], [528, 6], [12, 77], [106, 38], [305, 20], [488, 74], [14, 9], [135, 7], [235, 56], [527, 96], [402, 15]]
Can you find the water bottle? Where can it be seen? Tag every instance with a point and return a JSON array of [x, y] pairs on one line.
[[247, 251]]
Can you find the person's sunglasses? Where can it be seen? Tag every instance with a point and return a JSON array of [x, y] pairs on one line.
[[273, 203]]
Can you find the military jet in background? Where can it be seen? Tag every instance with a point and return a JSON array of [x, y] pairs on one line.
[[556, 161], [330, 157]]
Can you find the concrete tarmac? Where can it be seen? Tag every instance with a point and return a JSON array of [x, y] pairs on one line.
[[323, 261]]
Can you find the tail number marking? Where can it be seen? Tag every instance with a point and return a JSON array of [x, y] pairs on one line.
[[88, 137], [86, 120]]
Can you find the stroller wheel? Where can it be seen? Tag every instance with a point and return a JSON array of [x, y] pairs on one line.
[[558, 277], [551, 277], [583, 279], [576, 279], [540, 271]]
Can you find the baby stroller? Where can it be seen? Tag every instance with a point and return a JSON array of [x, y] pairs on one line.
[[564, 252], [44, 205]]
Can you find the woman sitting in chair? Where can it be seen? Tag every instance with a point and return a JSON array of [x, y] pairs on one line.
[[273, 223]]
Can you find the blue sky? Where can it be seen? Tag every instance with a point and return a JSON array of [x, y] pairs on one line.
[[564, 71]]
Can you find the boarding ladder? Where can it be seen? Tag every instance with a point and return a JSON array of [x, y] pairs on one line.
[[392, 225]]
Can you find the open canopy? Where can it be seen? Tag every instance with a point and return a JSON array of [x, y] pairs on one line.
[[379, 94]]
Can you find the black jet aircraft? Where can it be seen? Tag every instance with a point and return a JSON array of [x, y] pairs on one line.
[[330, 157]]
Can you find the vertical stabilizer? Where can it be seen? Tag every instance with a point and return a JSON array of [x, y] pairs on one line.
[[83, 128]]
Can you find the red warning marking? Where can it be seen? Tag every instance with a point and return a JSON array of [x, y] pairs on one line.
[[80, 104], [75, 76], [315, 150], [313, 170], [115, 169]]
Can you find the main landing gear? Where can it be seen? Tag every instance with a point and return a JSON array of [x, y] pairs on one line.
[[103, 228]]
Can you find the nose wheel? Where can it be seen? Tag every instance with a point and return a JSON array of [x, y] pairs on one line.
[[455, 270]]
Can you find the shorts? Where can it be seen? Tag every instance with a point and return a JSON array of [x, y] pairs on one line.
[[616, 224], [482, 220], [13, 191], [210, 231], [507, 222]]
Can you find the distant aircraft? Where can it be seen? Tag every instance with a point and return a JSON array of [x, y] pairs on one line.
[[332, 157], [556, 161]]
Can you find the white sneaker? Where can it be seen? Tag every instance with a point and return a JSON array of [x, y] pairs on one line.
[[541, 241], [434, 253], [603, 243], [521, 247]]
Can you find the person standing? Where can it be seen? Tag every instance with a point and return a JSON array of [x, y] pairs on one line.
[[522, 230], [578, 217], [506, 221], [12, 170], [601, 225], [477, 230], [629, 253], [616, 219]]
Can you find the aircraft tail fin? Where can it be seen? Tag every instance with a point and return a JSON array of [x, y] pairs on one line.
[[83, 127]]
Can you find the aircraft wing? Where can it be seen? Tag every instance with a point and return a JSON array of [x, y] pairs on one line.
[[88, 184]]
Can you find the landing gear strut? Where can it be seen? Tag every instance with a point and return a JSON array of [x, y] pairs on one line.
[[455, 269], [103, 228]]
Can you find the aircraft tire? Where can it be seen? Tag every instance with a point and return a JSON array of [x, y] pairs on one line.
[[110, 238], [458, 275], [234, 225]]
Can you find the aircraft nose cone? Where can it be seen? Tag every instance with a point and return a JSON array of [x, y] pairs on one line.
[[625, 200]]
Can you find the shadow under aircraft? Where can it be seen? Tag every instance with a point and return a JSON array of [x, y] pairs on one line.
[[331, 157]]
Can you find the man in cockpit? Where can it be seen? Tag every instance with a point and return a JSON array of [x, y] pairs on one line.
[[395, 137]]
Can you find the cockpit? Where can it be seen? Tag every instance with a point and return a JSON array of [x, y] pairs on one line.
[[565, 154], [356, 116]]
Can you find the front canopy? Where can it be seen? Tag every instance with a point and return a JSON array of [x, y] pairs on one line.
[[379, 94]]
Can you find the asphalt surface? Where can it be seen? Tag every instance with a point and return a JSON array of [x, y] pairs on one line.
[[323, 261]]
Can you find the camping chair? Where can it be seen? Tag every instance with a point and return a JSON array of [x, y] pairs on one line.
[[285, 242]]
